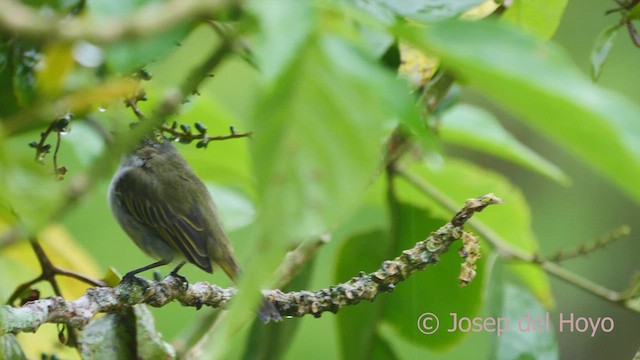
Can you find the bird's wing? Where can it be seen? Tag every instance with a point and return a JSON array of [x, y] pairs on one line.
[[182, 229]]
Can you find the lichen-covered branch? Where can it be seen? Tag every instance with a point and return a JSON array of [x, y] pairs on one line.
[[628, 298], [78, 313]]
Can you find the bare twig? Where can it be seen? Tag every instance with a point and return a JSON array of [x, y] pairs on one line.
[[587, 248], [186, 136], [49, 272], [78, 313], [152, 19], [57, 126]]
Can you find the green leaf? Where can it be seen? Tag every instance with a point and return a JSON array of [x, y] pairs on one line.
[[8, 97], [86, 144], [457, 181], [149, 343], [18, 61], [285, 26], [10, 349], [539, 82], [382, 350], [126, 56], [634, 13], [109, 337], [319, 131], [30, 188], [318, 137], [125, 335], [419, 10], [357, 324], [435, 290], [477, 129], [537, 17], [529, 332], [601, 49]]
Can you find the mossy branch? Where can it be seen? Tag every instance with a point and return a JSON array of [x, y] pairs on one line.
[[78, 313]]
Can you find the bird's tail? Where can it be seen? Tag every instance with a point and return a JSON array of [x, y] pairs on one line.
[[268, 312]]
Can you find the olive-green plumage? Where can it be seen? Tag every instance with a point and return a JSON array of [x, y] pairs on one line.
[[168, 212]]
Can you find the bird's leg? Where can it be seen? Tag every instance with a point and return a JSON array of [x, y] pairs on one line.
[[131, 274], [174, 272]]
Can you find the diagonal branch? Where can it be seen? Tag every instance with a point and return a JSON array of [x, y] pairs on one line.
[[78, 313], [23, 20], [629, 298]]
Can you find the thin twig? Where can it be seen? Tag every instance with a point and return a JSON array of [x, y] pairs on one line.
[[587, 248], [635, 37], [188, 137], [133, 104]]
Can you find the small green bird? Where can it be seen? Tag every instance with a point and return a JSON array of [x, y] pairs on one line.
[[167, 211]]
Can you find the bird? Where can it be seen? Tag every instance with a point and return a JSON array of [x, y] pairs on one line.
[[164, 207]]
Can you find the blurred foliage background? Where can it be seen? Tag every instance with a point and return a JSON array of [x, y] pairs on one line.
[[323, 104]]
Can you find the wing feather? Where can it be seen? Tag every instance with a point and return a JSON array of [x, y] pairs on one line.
[[182, 229]]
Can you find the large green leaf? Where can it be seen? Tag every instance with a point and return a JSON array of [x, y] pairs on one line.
[[477, 129], [319, 134], [318, 137], [290, 19], [541, 18], [539, 82]]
